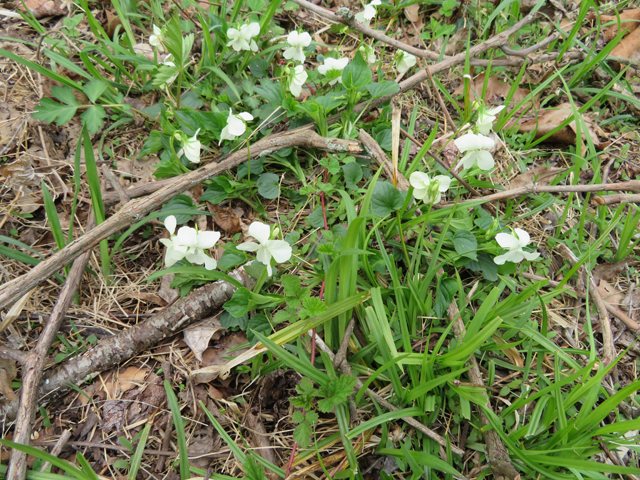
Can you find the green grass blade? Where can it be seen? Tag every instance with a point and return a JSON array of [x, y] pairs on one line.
[[136, 459], [177, 422]]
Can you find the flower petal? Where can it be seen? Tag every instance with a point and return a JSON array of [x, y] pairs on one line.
[[246, 116], [445, 182], [506, 240], [279, 250], [495, 111], [207, 239], [260, 231], [467, 142], [263, 255], [531, 256], [210, 263], [170, 224], [236, 126], [485, 160], [253, 29], [500, 259], [248, 246], [469, 160], [419, 180], [187, 236], [523, 237]]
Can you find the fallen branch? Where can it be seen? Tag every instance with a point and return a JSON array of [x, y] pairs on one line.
[[631, 185], [135, 210], [614, 199], [32, 370], [129, 343]]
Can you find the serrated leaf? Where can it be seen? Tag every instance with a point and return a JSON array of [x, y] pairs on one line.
[[291, 285], [94, 89], [269, 185], [93, 118], [64, 94], [466, 244], [302, 434], [282, 316], [312, 306], [316, 220], [51, 111], [335, 392], [386, 199], [352, 174], [327, 248], [164, 74], [383, 88], [357, 74], [311, 417], [305, 387], [253, 471], [297, 416]]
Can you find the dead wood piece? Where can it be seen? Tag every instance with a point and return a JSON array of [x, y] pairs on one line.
[[497, 454], [613, 199], [261, 442], [135, 210], [32, 370], [115, 183], [389, 406], [382, 159], [129, 343], [603, 315], [57, 448]]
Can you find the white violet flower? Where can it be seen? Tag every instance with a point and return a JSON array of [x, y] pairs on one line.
[[486, 119], [155, 40], [298, 78], [369, 53], [298, 42], [333, 64], [266, 249], [405, 61], [368, 13], [168, 63], [515, 244], [477, 151], [427, 189], [190, 147], [242, 39], [189, 244], [236, 125]]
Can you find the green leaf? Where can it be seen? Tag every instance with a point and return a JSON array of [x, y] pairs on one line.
[[256, 168], [335, 392], [229, 321], [217, 192], [447, 289], [253, 471], [486, 265], [93, 118], [305, 387], [231, 258], [357, 74], [316, 219], [271, 92], [297, 416], [311, 417], [269, 185], [291, 285], [179, 201], [241, 303], [94, 89], [259, 68], [312, 306], [163, 75], [466, 244], [259, 323], [352, 174], [383, 88], [386, 199], [50, 111], [302, 434]]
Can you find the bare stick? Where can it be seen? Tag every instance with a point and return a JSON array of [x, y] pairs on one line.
[[129, 343], [603, 315], [382, 159], [613, 199], [106, 171], [631, 185], [57, 448], [612, 309], [526, 51], [497, 454], [410, 420], [32, 370], [135, 210]]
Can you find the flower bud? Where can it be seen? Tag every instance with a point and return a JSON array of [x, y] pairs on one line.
[[493, 229], [276, 232], [434, 190]]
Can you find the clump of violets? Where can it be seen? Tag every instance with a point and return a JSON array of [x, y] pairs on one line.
[[331, 66], [243, 39], [188, 244], [368, 13], [236, 125], [476, 151], [427, 189], [515, 247], [404, 61], [266, 249], [298, 42]]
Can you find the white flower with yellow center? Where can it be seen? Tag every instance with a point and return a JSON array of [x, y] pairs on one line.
[[514, 244], [476, 151], [266, 249]]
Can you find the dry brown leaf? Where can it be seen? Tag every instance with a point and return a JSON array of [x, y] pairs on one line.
[[44, 8], [628, 45], [143, 49], [496, 91], [167, 293], [412, 12], [125, 381], [629, 20], [608, 271], [456, 44], [511, 352], [539, 175], [215, 359], [199, 335], [610, 294], [548, 120], [8, 372], [226, 219]]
